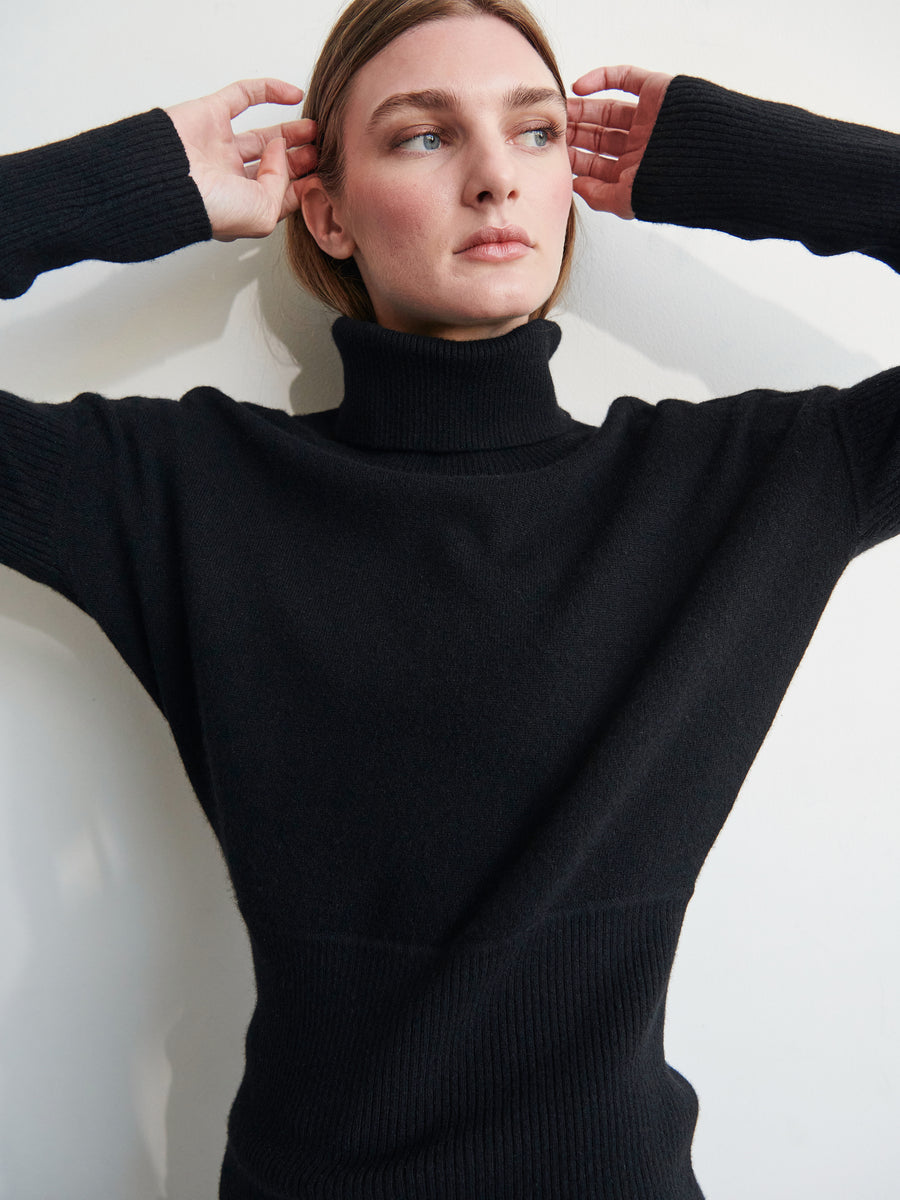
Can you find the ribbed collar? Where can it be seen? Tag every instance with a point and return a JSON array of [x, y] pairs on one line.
[[404, 391]]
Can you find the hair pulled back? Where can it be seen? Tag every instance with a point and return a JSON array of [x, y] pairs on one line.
[[363, 30]]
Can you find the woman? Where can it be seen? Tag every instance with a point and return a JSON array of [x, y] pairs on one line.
[[514, 667]]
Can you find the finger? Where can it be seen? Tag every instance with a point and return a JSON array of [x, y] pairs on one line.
[[301, 161], [604, 197], [273, 177], [617, 114], [252, 143], [273, 167], [272, 173], [620, 79], [590, 166], [598, 140], [292, 199], [240, 96]]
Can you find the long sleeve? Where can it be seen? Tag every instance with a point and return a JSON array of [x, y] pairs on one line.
[[757, 169], [121, 193]]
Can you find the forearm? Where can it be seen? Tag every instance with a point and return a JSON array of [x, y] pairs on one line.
[[121, 193], [756, 169]]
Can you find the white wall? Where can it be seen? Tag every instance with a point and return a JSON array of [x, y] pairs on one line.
[[125, 981]]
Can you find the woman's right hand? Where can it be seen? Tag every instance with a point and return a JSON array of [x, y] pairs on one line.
[[607, 138], [248, 181]]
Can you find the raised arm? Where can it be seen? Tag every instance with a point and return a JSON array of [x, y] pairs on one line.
[[687, 152], [150, 184], [131, 191]]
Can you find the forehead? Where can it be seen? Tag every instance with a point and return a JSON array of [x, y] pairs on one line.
[[480, 57]]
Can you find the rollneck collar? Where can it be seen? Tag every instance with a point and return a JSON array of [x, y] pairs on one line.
[[405, 391]]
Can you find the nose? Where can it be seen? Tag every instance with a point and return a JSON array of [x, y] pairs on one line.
[[491, 174]]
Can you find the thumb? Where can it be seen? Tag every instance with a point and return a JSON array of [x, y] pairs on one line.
[[273, 175]]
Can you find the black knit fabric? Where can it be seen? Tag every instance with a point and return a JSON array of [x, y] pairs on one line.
[[763, 170], [466, 689], [135, 169]]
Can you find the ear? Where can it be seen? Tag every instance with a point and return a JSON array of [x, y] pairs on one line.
[[323, 221]]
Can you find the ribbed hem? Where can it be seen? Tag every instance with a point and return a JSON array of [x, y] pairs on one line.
[[753, 168], [531, 1066], [121, 193]]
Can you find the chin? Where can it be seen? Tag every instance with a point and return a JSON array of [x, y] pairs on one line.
[[474, 309], [496, 309]]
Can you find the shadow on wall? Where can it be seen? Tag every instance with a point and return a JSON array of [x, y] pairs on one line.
[[126, 988], [126, 978], [645, 290], [146, 314]]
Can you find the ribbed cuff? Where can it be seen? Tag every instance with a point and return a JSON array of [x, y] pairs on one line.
[[121, 193], [756, 169]]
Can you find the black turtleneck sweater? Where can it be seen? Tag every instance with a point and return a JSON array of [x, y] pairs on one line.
[[465, 687]]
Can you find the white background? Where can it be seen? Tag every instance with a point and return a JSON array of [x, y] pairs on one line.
[[125, 980]]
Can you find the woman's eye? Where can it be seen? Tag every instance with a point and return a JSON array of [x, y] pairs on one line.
[[426, 141], [540, 137]]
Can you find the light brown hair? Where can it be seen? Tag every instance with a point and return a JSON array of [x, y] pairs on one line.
[[363, 29]]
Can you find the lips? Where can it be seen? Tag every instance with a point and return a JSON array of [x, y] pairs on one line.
[[493, 235]]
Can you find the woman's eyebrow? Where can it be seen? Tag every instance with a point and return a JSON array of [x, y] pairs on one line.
[[438, 99]]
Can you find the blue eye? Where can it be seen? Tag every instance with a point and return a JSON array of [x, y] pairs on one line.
[[430, 141], [541, 137]]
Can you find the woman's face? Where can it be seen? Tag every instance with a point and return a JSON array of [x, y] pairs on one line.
[[455, 133]]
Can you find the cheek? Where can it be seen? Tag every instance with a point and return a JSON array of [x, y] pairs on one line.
[[392, 219], [559, 197]]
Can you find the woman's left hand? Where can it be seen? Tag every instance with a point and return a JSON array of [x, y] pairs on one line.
[[607, 138]]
